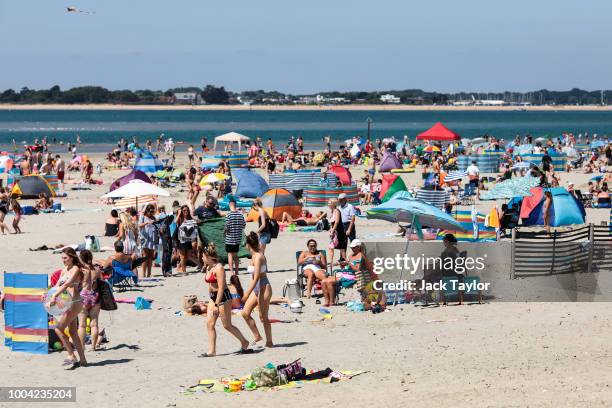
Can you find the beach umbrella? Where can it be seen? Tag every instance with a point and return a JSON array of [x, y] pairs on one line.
[[134, 202], [413, 211], [455, 175], [431, 149], [597, 178], [515, 187], [522, 165], [137, 188], [275, 202], [596, 144], [213, 178]]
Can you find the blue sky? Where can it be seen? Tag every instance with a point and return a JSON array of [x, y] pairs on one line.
[[308, 46]]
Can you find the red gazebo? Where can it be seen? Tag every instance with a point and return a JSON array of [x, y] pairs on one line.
[[440, 133]]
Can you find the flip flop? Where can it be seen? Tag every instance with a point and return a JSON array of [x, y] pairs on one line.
[[205, 355], [245, 351]]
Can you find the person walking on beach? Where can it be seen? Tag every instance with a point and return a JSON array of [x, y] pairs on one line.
[[91, 299], [16, 207], [219, 304], [128, 234], [234, 228], [259, 291], [70, 280], [4, 207], [263, 232]]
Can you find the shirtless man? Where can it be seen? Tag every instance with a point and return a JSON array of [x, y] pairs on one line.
[[60, 168]]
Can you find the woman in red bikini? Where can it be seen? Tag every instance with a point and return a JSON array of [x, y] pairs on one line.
[[219, 303]]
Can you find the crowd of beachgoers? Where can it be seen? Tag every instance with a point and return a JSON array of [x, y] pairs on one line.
[[158, 236]]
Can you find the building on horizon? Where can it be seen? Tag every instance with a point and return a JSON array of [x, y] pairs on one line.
[[188, 98], [389, 98]]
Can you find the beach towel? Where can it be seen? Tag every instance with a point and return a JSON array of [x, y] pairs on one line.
[[213, 230]]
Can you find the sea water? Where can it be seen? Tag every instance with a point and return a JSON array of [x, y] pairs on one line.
[[104, 127]]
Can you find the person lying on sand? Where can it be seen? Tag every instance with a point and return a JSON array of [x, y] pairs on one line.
[[304, 220]]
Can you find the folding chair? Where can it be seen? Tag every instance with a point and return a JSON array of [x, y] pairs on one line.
[[122, 275]]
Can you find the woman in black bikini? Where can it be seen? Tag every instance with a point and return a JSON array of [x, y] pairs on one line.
[[111, 227], [4, 203], [219, 303]]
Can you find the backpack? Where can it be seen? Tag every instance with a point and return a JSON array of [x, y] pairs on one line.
[[187, 232], [107, 300], [273, 227]]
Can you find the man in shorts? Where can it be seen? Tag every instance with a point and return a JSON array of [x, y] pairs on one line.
[[234, 229], [60, 168]]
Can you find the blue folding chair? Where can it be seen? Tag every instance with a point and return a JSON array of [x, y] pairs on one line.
[[123, 277]]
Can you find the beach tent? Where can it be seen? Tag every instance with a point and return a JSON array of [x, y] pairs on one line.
[[343, 174], [439, 132], [391, 184], [148, 163], [566, 209], [26, 322], [31, 187], [389, 162], [249, 184], [276, 202], [133, 175], [231, 137]]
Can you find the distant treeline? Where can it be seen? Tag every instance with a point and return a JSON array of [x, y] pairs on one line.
[[218, 95]]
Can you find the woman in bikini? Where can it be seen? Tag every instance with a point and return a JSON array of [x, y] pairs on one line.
[[219, 303], [314, 266], [17, 210], [70, 280], [4, 204], [259, 292], [91, 300]]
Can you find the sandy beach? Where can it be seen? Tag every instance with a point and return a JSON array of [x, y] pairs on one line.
[[495, 354], [390, 107]]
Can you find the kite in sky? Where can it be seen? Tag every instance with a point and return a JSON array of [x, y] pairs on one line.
[[76, 10]]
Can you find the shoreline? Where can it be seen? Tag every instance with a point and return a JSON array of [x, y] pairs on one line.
[[110, 107]]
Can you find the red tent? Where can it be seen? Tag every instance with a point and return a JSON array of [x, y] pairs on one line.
[[439, 132], [343, 174]]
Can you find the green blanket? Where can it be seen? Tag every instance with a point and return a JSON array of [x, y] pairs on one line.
[[212, 230]]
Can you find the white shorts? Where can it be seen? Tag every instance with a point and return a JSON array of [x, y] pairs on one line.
[[311, 267]]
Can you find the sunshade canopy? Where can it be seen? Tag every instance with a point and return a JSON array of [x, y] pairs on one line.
[[231, 137], [439, 132]]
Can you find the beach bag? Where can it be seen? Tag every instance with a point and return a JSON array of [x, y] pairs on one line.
[[267, 377], [292, 371], [189, 301], [333, 243], [323, 225], [92, 243], [292, 289], [188, 231], [273, 227], [107, 300]]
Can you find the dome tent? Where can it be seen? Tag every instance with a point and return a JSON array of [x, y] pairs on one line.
[[133, 175], [391, 184], [31, 187], [343, 174], [389, 162], [249, 184], [566, 209], [275, 202]]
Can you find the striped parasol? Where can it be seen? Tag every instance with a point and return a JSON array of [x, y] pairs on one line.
[[133, 201], [455, 175]]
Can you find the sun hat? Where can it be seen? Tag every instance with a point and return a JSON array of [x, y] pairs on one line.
[[355, 243]]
